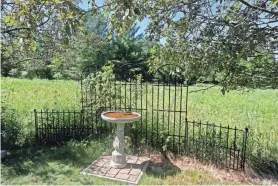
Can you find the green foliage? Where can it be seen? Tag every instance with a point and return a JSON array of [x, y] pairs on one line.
[[97, 24], [130, 53], [34, 30], [11, 130], [19, 98], [83, 50], [93, 48], [90, 46], [208, 39], [258, 72], [98, 89], [255, 72]]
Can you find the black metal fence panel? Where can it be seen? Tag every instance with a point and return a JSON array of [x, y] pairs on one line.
[[164, 123], [52, 126], [57, 126]]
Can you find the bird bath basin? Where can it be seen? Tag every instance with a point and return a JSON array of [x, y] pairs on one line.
[[119, 118]]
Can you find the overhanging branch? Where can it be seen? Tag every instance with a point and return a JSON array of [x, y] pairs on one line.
[[27, 59], [258, 8], [15, 29]]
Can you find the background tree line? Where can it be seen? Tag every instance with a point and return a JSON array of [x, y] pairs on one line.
[[88, 46], [233, 43]]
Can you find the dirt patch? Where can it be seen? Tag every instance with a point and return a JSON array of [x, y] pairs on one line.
[[121, 115], [161, 163]]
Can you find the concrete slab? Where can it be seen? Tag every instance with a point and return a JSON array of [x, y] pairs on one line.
[[132, 173]]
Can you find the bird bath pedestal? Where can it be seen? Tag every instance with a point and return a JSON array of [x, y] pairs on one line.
[[120, 119]]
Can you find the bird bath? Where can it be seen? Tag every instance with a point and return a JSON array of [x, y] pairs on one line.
[[120, 119]]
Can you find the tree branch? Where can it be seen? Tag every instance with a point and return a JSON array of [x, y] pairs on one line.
[[24, 28], [15, 29], [258, 8], [203, 89], [27, 59]]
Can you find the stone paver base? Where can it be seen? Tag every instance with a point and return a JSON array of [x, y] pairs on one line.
[[130, 174]]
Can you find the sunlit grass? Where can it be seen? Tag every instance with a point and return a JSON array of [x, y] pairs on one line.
[[255, 109], [58, 166], [62, 166]]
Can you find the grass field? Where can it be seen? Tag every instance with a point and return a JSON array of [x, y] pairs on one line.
[[62, 166], [256, 109]]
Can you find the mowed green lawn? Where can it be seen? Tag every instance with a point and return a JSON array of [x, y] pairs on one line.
[[255, 109], [62, 166], [23, 96]]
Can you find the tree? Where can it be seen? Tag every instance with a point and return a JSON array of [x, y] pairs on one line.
[[32, 30], [83, 50], [213, 35], [97, 24], [130, 54]]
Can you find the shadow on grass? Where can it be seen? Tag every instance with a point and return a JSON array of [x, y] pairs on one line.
[[266, 168], [162, 169], [52, 163]]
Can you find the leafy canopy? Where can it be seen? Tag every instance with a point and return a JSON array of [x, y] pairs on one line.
[[207, 37], [32, 29]]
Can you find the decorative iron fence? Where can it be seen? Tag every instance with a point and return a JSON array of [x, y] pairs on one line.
[[52, 126], [163, 105], [57, 126], [221, 145]]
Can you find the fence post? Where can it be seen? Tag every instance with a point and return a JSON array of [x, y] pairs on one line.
[[36, 125], [245, 147], [186, 136], [82, 124], [74, 126], [235, 148]]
